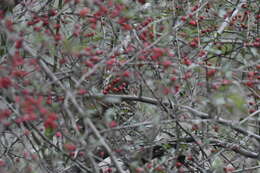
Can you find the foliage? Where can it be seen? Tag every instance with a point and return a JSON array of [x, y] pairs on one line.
[[129, 85]]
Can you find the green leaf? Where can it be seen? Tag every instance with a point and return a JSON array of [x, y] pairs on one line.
[[214, 51], [238, 101], [55, 106], [219, 99], [217, 165], [49, 132]]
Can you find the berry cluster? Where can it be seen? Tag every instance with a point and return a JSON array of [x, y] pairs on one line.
[[117, 85]]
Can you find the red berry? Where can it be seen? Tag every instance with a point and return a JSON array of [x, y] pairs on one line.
[[229, 169], [159, 168], [108, 170], [190, 158], [58, 134], [139, 170], [83, 12], [116, 89], [5, 82], [193, 44], [195, 127], [70, 147], [112, 124], [211, 72], [193, 23], [251, 74], [183, 18], [178, 164], [225, 82], [126, 74], [187, 61], [250, 84], [82, 92], [173, 78], [17, 159], [2, 162], [19, 43], [251, 103], [252, 111], [52, 12], [166, 63], [142, 1]]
